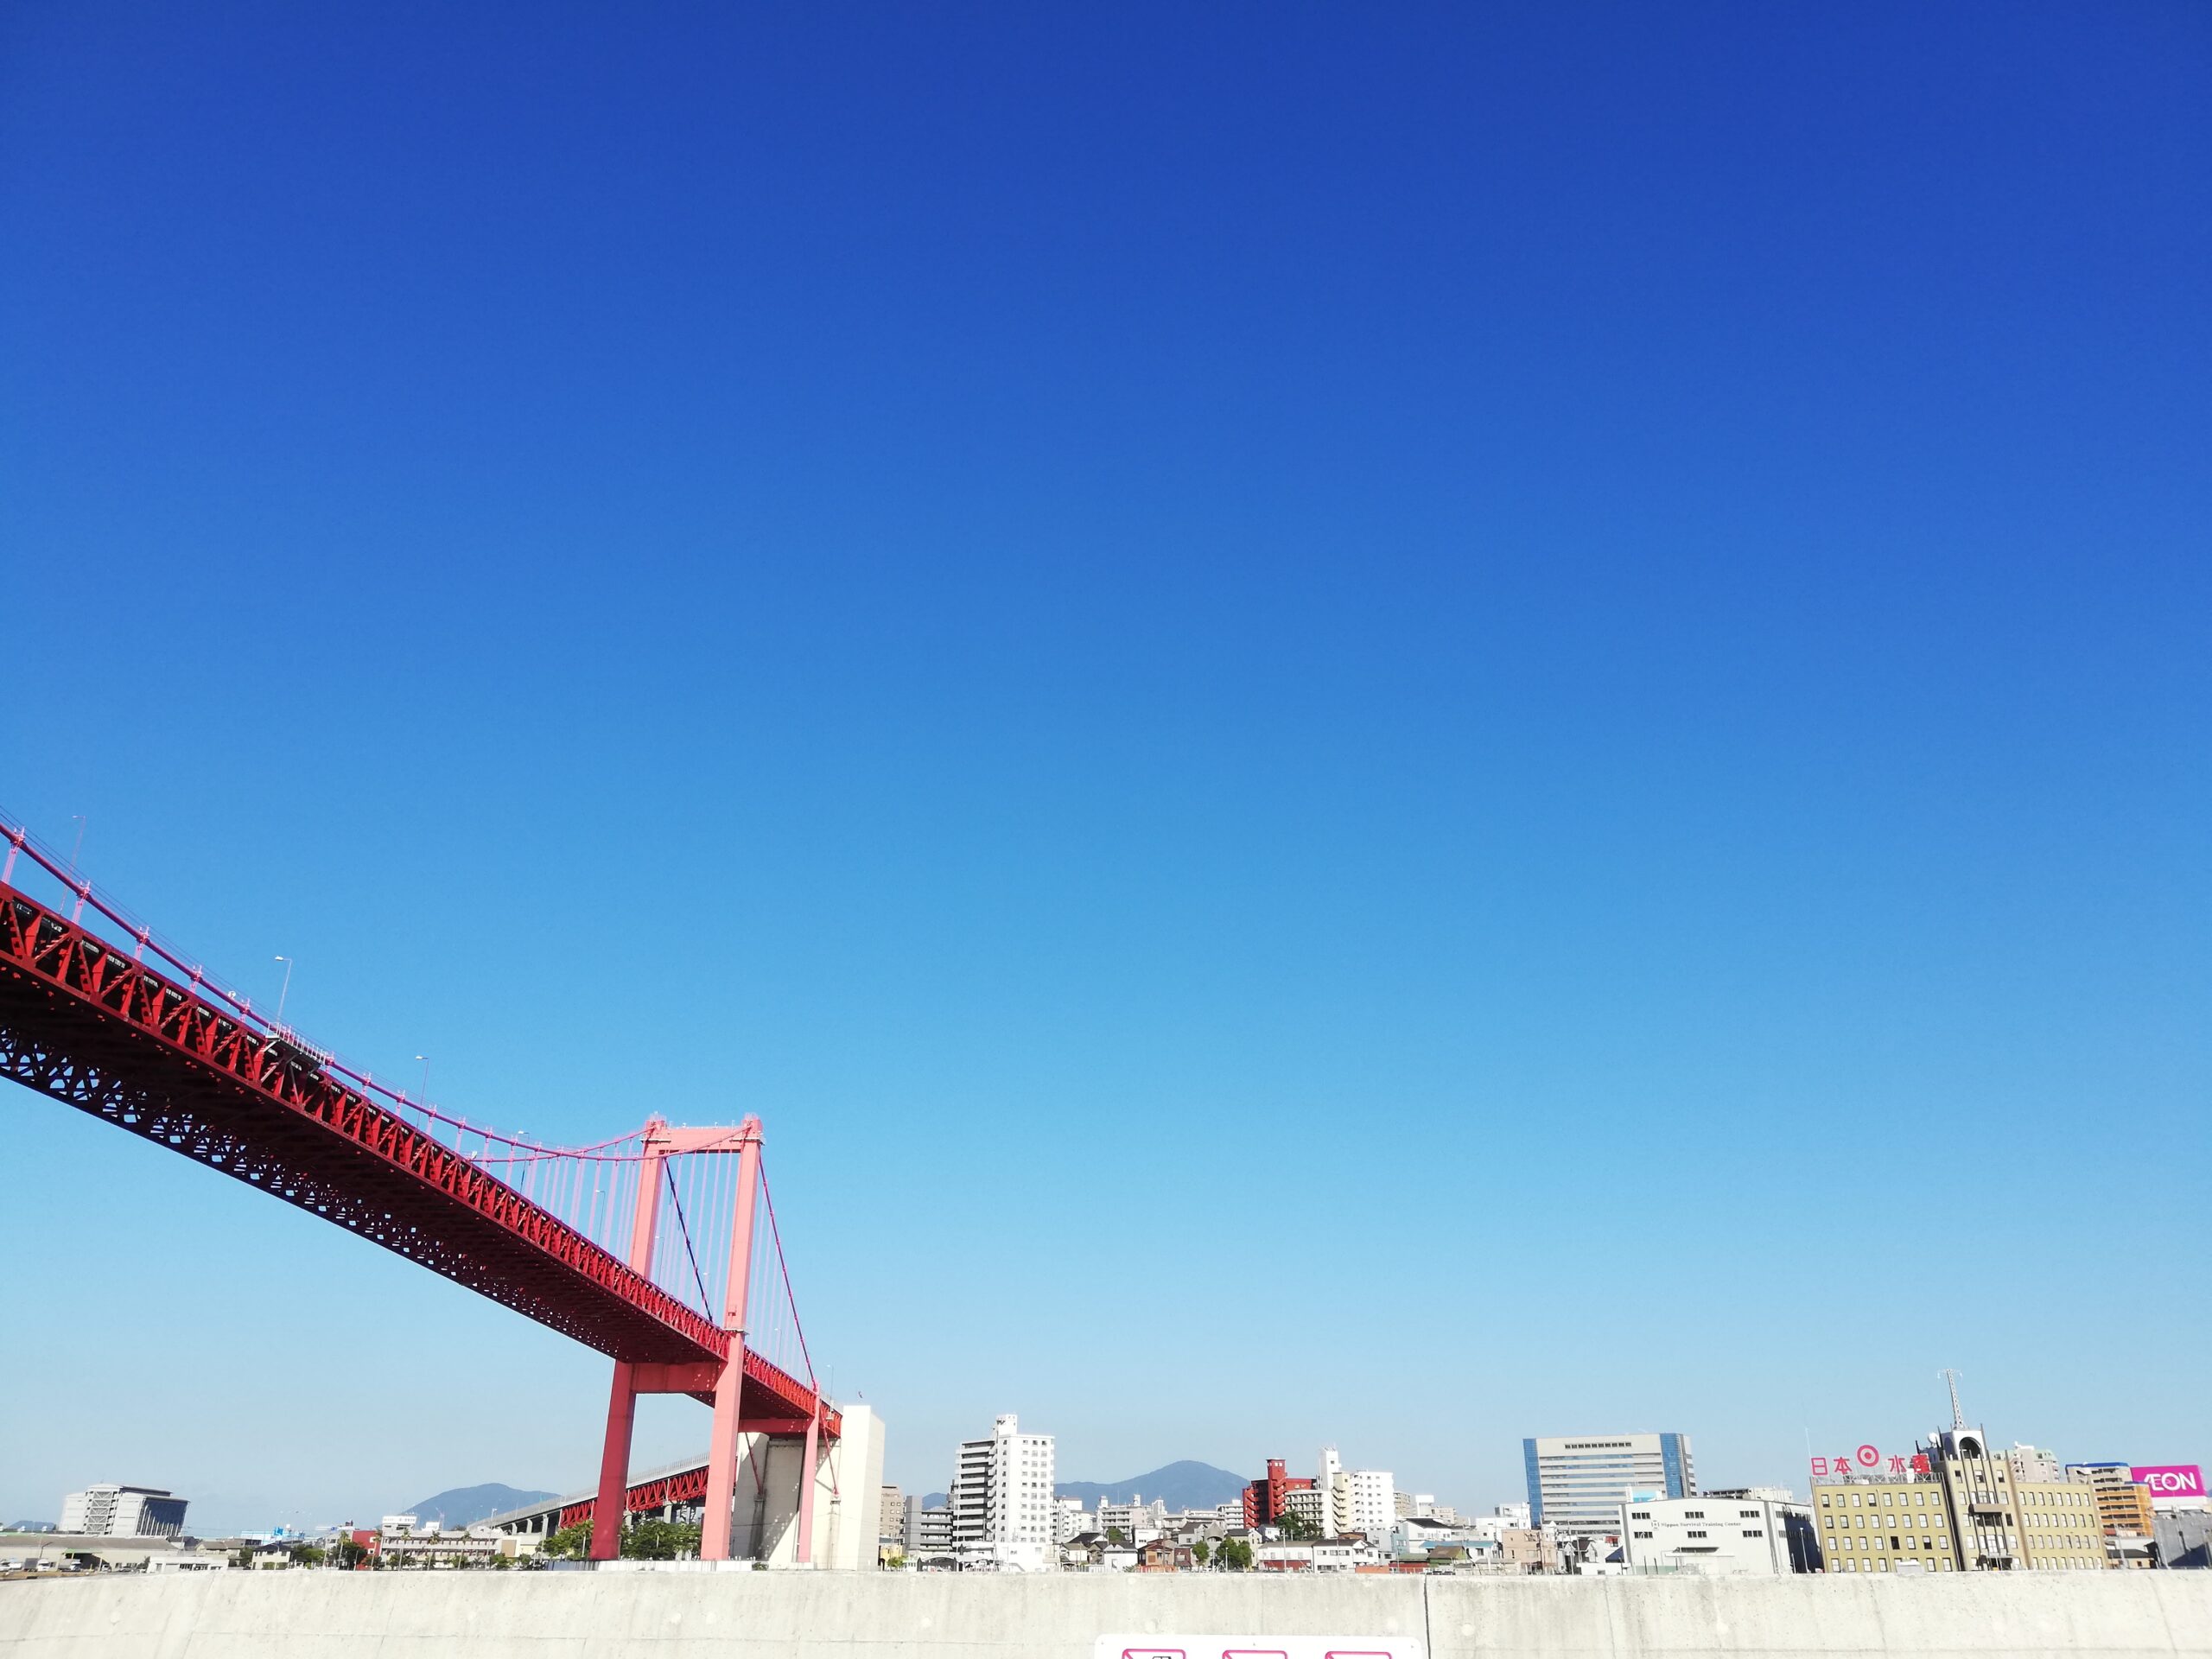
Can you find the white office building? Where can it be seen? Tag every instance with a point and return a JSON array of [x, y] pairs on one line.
[[1002, 1502], [1577, 1483], [122, 1512], [1714, 1537]]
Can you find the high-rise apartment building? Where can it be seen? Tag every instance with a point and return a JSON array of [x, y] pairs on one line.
[[1003, 1495], [890, 1515], [929, 1532], [1336, 1497], [123, 1512], [2124, 1512], [1369, 1508], [1577, 1483], [1263, 1498], [1071, 1519], [1137, 1521]]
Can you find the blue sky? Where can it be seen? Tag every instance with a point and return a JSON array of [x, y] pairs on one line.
[[1369, 725]]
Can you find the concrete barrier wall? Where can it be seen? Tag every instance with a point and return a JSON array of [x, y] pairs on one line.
[[302, 1615]]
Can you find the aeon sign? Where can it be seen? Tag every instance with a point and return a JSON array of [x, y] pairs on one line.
[[2171, 1479]]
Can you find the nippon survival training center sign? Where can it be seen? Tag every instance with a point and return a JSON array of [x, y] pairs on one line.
[[1872, 1460]]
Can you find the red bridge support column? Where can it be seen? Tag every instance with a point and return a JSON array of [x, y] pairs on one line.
[[729, 1387], [622, 1404], [806, 1477]]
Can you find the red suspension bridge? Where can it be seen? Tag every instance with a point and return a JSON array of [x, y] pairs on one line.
[[658, 1249]]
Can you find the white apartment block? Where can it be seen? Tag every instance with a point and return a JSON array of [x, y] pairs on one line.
[[1071, 1519], [928, 1532], [1003, 1494], [1139, 1522], [2033, 1463], [1370, 1507], [1712, 1536], [1577, 1483], [1336, 1502], [122, 1512]]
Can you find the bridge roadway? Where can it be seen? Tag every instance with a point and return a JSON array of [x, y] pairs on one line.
[[657, 1490], [84, 1021]]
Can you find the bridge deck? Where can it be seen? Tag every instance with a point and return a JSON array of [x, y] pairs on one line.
[[84, 1022]]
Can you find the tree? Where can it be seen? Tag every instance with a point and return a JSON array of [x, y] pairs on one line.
[[573, 1542], [659, 1541], [1296, 1526], [305, 1556], [348, 1552], [1115, 1536], [1235, 1555], [1198, 1553]]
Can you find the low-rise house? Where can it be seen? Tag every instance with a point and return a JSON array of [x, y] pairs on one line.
[[1164, 1555], [1349, 1554]]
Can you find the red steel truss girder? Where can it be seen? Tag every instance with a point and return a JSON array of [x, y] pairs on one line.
[[83, 1022], [685, 1485]]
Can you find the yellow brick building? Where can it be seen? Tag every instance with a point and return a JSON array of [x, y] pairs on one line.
[[1875, 1525], [1966, 1509]]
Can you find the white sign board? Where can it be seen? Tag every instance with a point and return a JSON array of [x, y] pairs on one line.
[[1257, 1647]]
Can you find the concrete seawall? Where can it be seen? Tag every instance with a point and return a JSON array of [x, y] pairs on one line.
[[897, 1616]]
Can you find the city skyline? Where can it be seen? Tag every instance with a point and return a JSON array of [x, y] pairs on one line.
[[1493, 683]]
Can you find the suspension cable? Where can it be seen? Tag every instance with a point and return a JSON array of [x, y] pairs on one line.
[[677, 1198], [790, 1301]]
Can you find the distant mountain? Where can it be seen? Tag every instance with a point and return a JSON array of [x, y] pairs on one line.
[[1184, 1485], [466, 1505]]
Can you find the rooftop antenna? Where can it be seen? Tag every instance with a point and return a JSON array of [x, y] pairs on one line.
[[1958, 1417]]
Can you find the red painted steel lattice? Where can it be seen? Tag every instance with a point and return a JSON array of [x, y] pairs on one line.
[[83, 1020]]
